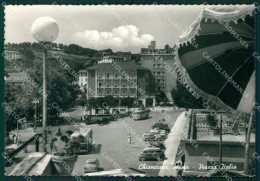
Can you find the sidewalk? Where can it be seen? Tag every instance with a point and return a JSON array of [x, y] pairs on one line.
[[172, 144]]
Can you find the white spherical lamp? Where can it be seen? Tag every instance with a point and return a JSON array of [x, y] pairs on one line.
[[45, 29]]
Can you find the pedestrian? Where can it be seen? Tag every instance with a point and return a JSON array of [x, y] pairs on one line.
[[14, 138], [49, 132], [129, 139], [51, 145], [179, 168], [34, 128], [19, 140]]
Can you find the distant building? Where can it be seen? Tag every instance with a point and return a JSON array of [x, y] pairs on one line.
[[119, 79], [83, 80], [13, 54], [152, 58], [109, 59], [125, 55], [14, 78]]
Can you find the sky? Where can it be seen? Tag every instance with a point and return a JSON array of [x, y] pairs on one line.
[[121, 28]]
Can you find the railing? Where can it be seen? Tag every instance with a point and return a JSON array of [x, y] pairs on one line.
[[204, 124]]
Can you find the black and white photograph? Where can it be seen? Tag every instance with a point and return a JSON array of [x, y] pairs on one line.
[[130, 90]]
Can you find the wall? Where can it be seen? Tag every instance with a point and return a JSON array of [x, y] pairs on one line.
[[91, 83], [232, 153], [147, 61]]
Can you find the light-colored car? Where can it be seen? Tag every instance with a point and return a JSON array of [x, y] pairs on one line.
[[155, 131], [149, 137], [151, 153], [92, 165]]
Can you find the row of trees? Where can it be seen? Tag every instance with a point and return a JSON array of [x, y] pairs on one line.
[[183, 98], [60, 90]]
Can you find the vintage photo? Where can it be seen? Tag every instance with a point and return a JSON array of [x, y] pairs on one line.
[[130, 90]]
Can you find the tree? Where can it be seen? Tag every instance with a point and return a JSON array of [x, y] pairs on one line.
[[64, 139], [183, 98], [69, 132], [28, 53], [128, 102], [149, 101], [108, 102], [161, 97], [60, 87]]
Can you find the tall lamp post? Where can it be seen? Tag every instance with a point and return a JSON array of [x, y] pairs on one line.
[[44, 30]]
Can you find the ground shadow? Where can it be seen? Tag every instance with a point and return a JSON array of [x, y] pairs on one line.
[[95, 149]]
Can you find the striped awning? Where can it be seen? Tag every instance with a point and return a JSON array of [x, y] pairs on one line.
[[215, 57]]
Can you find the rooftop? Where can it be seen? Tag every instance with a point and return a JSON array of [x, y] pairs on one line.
[[116, 66], [206, 129], [14, 77]]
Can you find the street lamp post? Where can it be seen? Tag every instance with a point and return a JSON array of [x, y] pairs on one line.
[[35, 101], [45, 30]]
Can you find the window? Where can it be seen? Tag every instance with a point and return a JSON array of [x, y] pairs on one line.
[[108, 83], [99, 84], [115, 91], [100, 75], [116, 76], [123, 83], [108, 75], [116, 83], [100, 92]]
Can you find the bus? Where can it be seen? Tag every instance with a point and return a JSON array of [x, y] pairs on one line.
[[140, 114], [84, 136]]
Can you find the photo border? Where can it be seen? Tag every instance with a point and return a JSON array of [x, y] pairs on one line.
[[116, 2]]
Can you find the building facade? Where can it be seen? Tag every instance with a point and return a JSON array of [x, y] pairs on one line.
[[14, 78], [156, 61], [119, 79], [83, 80], [126, 56], [13, 54]]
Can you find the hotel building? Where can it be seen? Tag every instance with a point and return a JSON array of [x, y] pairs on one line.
[[155, 60], [119, 79]]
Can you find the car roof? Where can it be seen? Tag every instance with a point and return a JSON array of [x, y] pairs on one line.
[[91, 160], [151, 148]]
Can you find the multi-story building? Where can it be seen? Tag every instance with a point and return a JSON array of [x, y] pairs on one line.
[[125, 55], [14, 78], [13, 54], [119, 79], [83, 80], [156, 60], [109, 59]]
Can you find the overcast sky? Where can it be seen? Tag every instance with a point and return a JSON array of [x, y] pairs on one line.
[[121, 28]]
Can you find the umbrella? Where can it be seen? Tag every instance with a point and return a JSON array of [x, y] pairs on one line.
[[214, 57]]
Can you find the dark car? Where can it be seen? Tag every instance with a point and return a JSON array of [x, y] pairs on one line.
[[161, 126], [157, 144], [152, 153], [104, 120]]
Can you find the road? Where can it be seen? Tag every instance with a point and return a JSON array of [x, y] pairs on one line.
[[112, 149]]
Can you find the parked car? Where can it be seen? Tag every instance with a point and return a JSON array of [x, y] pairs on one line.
[[92, 165], [155, 131], [148, 110], [103, 120], [148, 137], [152, 153], [159, 138], [161, 126], [157, 144]]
